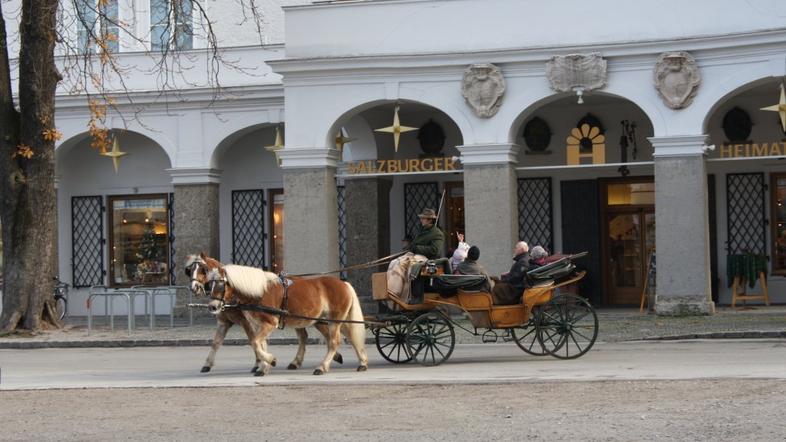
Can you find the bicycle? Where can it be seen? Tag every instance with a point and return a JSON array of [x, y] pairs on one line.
[[61, 297]]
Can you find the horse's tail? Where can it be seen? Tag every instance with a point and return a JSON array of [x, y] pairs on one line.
[[357, 332]]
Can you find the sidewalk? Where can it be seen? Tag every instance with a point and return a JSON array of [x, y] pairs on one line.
[[615, 325]]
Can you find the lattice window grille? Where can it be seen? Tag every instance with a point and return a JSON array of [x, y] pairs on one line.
[[418, 196], [172, 263], [536, 224], [745, 205], [87, 240], [248, 227], [342, 230]]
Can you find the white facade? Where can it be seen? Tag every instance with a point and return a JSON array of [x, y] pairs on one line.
[[345, 63]]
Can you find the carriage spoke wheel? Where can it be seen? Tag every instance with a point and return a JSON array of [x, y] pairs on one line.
[[392, 343], [431, 339], [526, 337], [567, 326]]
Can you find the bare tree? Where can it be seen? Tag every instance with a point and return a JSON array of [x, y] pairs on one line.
[[48, 54]]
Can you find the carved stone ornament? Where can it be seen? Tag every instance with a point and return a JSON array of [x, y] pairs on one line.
[[677, 79], [576, 72], [483, 88]]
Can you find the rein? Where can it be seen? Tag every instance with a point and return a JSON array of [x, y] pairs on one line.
[[366, 265], [282, 313]]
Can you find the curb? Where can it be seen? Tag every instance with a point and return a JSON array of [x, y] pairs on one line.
[[722, 335], [128, 343]]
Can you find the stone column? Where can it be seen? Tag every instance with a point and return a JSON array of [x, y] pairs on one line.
[[490, 202], [367, 204], [196, 219], [310, 210], [681, 227]]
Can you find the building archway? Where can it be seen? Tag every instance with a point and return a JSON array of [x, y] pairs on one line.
[[750, 181], [585, 183], [118, 227], [250, 197]]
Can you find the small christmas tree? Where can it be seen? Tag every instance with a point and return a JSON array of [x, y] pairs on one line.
[[148, 247]]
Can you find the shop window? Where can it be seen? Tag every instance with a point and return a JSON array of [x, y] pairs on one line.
[[779, 224], [139, 240]]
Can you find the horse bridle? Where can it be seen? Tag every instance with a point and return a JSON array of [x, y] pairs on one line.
[[192, 270]]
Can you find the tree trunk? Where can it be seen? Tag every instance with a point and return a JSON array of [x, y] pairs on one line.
[[28, 208]]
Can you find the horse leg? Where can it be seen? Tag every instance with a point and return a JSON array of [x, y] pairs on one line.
[[250, 332], [356, 334], [259, 343], [323, 328], [302, 339], [333, 341], [218, 338]]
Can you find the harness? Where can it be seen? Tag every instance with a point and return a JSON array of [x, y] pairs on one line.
[[218, 287]]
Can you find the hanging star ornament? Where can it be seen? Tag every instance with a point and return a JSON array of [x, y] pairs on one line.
[[115, 154], [780, 108], [396, 129], [341, 140], [277, 145]]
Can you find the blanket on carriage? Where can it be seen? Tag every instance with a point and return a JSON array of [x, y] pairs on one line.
[[556, 270]]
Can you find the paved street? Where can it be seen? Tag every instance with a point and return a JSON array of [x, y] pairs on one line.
[[470, 363]]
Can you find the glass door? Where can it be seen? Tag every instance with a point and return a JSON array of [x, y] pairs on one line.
[[277, 230], [630, 241], [629, 237]]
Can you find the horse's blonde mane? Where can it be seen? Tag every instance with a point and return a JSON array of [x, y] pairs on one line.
[[249, 281]]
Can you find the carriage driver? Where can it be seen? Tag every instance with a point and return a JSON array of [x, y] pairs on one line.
[[430, 240], [427, 244]]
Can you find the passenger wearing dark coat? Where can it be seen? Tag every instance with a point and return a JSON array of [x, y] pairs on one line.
[[511, 285], [470, 266]]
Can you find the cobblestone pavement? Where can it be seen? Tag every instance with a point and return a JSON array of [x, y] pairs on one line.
[[615, 325]]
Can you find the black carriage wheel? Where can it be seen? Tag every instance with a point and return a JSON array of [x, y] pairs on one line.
[[431, 339], [392, 343], [567, 327], [526, 337]]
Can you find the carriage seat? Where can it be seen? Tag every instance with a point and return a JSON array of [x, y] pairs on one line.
[[448, 285]]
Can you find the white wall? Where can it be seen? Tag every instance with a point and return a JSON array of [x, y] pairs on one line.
[[449, 26]]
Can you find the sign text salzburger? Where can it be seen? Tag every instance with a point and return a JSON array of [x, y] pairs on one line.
[[403, 165]]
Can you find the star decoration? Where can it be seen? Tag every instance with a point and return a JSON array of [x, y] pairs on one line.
[[341, 140], [780, 108], [277, 145], [115, 154], [396, 129]]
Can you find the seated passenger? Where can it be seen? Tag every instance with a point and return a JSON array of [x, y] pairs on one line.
[[537, 257], [511, 285], [470, 266], [459, 254]]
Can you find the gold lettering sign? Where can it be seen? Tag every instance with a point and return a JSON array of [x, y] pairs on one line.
[[748, 150], [438, 164]]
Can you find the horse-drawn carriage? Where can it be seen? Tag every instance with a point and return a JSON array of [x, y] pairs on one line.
[[545, 322]]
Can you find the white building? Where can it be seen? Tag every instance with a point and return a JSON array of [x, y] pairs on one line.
[[343, 67]]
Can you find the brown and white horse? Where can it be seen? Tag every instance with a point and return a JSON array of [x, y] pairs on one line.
[[323, 301]]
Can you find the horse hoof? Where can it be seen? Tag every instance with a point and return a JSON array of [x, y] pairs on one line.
[[254, 369], [362, 368], [204, 369], [273, 363], [318, 372], [338, 358], [259, 373], [292, 367]]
